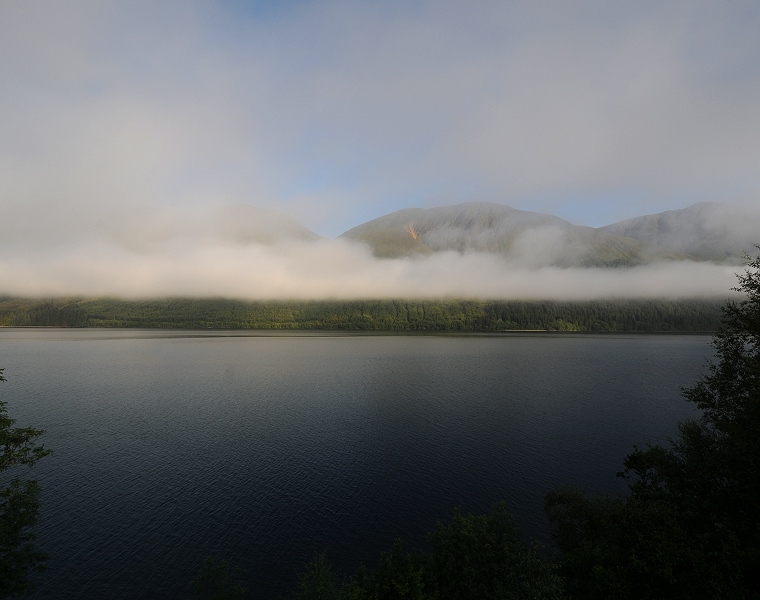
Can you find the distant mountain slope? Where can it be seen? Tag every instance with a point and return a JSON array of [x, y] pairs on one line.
[[528, 238], [706, 231]]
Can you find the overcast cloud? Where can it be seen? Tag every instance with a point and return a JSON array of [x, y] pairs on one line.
[[126, 127]]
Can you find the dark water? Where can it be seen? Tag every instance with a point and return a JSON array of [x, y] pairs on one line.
[[265, 449]]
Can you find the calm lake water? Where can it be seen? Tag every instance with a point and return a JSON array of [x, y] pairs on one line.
[[265, 449]]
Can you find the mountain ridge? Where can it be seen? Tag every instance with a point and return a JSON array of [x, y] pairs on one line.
[[529, 238], [713, 231]]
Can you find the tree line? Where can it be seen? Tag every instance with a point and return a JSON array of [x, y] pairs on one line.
[[695, 315]]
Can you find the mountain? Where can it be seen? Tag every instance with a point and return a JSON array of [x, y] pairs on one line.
[[528, 238], [707, 231]]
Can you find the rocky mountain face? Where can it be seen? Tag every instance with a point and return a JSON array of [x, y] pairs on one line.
[[527, 238]]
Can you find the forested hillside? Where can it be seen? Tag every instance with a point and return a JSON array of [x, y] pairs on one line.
[[381, 315]]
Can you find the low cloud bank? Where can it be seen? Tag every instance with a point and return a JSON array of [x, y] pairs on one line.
[[325, 269]]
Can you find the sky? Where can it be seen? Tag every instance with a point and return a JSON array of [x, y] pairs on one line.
[[126, 127]]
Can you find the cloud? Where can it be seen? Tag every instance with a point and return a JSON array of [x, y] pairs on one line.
[[114, 114], [364, 106], [205, 255], [333, 269]]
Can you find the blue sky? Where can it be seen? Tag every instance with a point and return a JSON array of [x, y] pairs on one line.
[[341, 111]]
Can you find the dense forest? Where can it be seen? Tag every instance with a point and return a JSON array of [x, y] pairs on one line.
[[697, 315]]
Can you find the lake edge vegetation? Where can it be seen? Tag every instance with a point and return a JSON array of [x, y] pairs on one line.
[[614, 315]]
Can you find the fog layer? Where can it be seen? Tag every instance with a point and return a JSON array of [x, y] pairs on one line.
[[219, 253]]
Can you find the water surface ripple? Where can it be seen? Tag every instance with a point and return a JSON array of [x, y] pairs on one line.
[[265, 449]]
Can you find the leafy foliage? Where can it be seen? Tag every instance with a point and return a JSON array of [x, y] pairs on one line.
[[400, 575], [690, 526], [19, 503], [485, 557], [320, 582]]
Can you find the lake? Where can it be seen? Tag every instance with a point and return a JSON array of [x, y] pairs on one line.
[[266, 448]]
